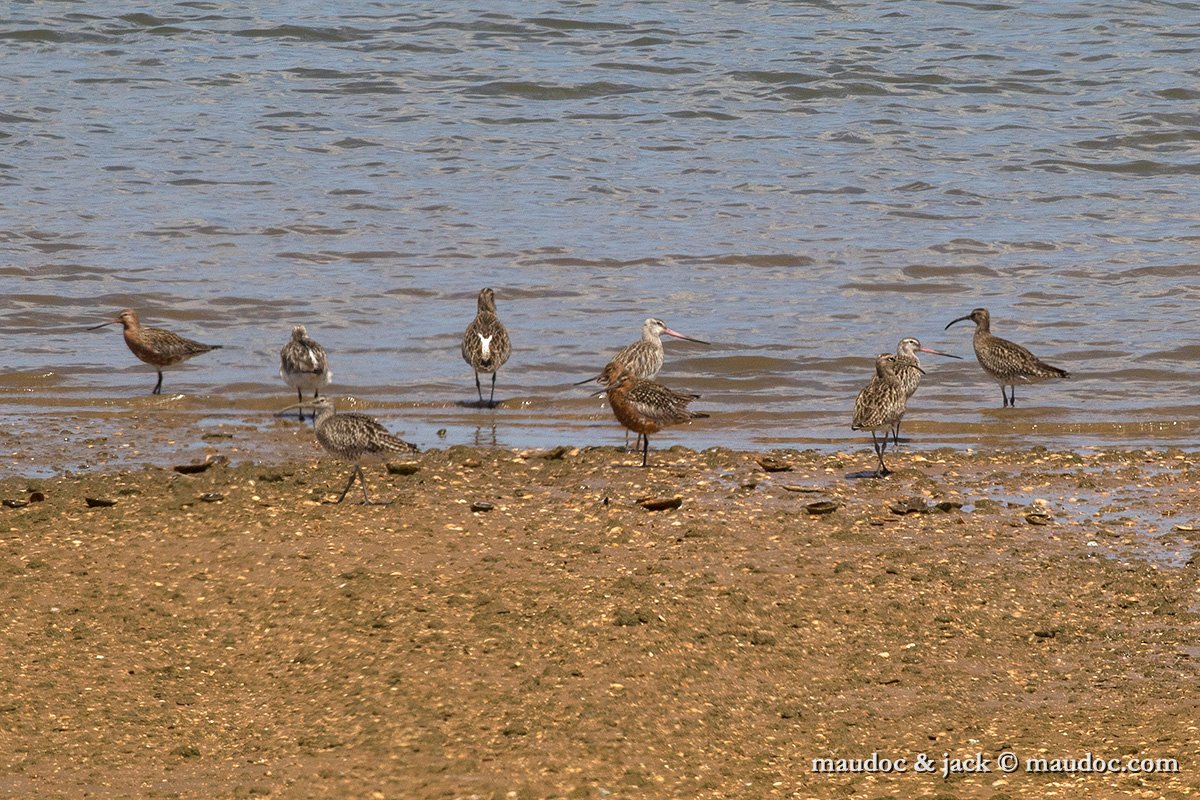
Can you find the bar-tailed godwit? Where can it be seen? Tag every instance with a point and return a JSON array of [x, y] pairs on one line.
[[352, 437], [159, 348], [1007, 362], [880, 405], [485, 344], [304, 365], [908, 371], [643, 406]]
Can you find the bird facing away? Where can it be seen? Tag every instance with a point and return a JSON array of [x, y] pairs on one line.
[[158, 348], [1007, 362], [643, 406], [485, 344], [909, 372], [352, 437], [880, 405], [304, 365]]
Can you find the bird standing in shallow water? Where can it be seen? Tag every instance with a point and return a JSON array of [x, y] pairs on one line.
[[158, 348], [880, 405], [645, 356], [351, 437], [1007, 362], [643, 406], [304, 365], [485, 344], [908, 372]]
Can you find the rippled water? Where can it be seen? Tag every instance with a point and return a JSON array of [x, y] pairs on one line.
[[801, 184]]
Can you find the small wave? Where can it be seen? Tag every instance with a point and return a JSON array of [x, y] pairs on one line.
[[542, 91]]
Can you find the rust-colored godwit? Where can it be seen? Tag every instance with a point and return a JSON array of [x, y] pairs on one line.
[[908, 371], [880, 405], [304, 365], [158, 348], [352, 437], [643, 406], [485, 344], [645, 356], [1007, 362]]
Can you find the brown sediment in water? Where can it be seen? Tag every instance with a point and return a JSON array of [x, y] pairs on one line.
[[231, 632]]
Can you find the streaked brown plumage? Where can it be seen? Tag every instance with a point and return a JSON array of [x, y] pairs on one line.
[[485, 344], [304, 365], [158, 348], [352, 437], [1007, 362], [643, 406], [908, 371], [645, 356], [880, 405]]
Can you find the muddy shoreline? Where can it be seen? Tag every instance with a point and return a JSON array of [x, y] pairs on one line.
[[232, 633]]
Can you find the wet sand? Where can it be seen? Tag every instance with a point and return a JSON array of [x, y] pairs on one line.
[[233, 633]]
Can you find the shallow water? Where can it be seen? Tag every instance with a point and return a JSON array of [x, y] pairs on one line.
[[801, 185]]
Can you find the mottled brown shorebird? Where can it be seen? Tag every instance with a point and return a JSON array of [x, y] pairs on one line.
[[880, 405], [908, 372], [643, 406], [485, 344], [1007, 362], [352, 437], [158, 348], [304, 366], [645, 356]]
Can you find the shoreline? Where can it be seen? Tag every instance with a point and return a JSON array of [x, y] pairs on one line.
[[232, 631]]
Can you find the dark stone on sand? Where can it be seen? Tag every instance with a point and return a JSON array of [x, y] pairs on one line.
[[556, 453], [36, 497], [912, 505], [202, 466], [211, 497], [822, 507], [273, 477], [772, 464], [10, 503], [403, 467], [946, 506], [481, 506], [660, 503], [99, 502], [1038, 519], [624, 616]]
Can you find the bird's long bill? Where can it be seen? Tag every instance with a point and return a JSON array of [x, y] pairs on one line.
[[679, 335], [587, 380], [960, 319], [938, 352], [597, 394], [104, 324], [293, 407]]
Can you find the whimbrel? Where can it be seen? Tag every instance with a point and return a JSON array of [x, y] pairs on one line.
[[643, 406], [880, 405], [909, 372], [645, 356], [304, 365], [158, 348], [485, 344], [352, 437], [1007, 362]]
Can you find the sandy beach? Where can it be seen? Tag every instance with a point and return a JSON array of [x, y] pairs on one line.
[[516, 624]]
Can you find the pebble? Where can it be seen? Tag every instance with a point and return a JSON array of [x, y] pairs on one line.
[[99, 502], [481, 506], [822, 507], [660, 503]]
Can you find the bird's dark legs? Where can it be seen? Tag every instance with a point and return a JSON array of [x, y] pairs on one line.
[[478, 388], [879, 448], [492, 396], [1012, 401], [362, 480], [895, 434], [300, 399], [158, 386], [1004, 394], [353, 475], [645, 448]]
